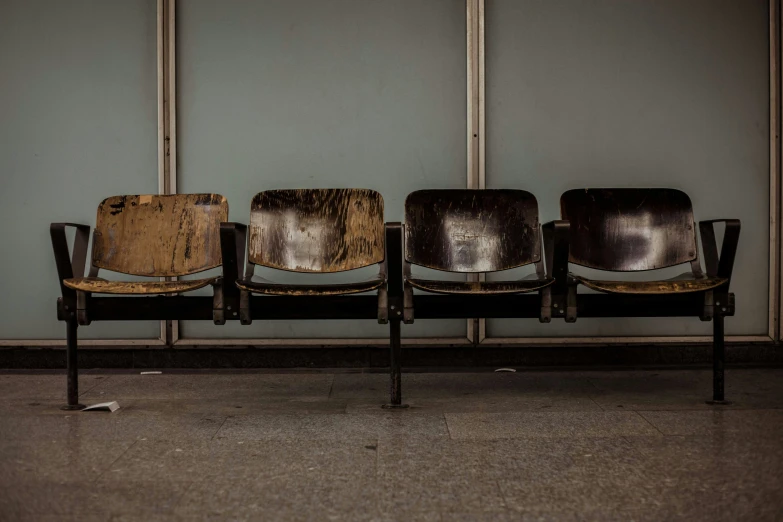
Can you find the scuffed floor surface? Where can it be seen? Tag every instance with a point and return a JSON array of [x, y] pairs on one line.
[[621, 445]]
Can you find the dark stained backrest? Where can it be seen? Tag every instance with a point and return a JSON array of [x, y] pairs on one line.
[[471, 230], [629, 229], [316, 230], [159, 236]]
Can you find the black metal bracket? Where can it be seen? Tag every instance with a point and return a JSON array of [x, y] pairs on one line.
[[233, 237], [722, 266], [69, 265], [556, 235], [394, 279], [719, 302]]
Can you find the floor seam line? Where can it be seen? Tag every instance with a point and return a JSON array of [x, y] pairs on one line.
[[448, 428], [331, 387], [600, 407], [502, 495], [648, 422], [176, 504], [114, 461], [97, 384], [377, 459], [219, 428], [590, 395]]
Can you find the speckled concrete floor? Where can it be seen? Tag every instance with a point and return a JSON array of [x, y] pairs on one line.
[[622, 445]]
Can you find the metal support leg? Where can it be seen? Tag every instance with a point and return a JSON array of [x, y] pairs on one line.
[[718, 361], [396, 365], [73, 367]]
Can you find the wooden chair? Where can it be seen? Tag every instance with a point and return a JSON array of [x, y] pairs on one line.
[[315, 231], [633, 230], [474, 231], [148, 235]]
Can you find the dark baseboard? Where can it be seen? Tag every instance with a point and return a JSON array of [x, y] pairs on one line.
[[453, 357]]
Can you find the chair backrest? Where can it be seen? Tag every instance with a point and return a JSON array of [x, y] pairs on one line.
[[627, 230], [316, 230], [472, 230], [159, 236]]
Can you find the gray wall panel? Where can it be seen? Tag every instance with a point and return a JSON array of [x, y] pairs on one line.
[[78, 123], [665, 93], [306, 93]]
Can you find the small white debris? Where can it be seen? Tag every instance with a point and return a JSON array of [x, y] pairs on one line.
[[104, 406], [512, 370], [151, 373], [178, 449]]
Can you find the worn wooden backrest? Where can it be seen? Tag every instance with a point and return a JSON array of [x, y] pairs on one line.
[[159, 235], [316, 230], [471, 230], [629, 229]]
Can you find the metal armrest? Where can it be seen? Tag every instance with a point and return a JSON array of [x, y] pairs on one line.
[[722, 266], [69, 265]]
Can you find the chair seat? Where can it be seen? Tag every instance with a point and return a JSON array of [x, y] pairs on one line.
[[259, 285], [98, 285], [480, 287], [683, 284]]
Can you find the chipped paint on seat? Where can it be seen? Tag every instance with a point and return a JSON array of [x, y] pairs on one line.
[[480, 287], [315, 231], [259, 285], [471, 231], [678, 285], [159, 235], [98, 285]]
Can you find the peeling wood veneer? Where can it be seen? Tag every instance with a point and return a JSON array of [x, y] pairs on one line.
[[159, 235], [633, 230], [480, 287], [316, 230], [471, 230], [99, 285], [263, 286], [629, 230], [678, 286]]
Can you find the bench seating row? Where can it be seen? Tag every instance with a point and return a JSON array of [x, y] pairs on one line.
[[165, 237]]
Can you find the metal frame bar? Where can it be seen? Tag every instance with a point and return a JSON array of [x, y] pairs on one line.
[[775, 184], [476, 125], [588, 305], [621, 341], [167, 122], [99, 343], [292, 342]]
